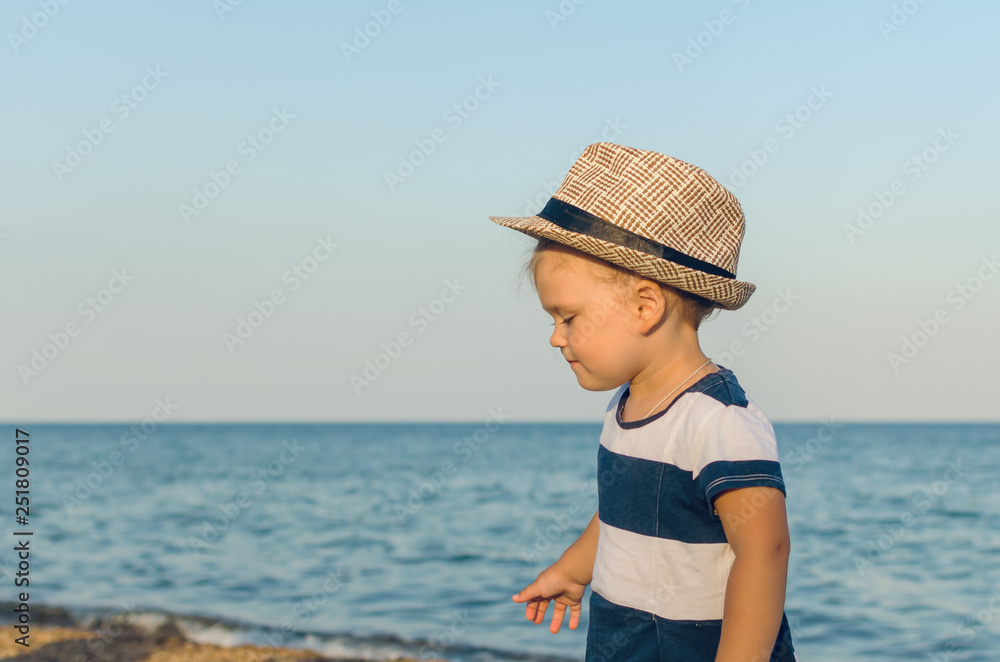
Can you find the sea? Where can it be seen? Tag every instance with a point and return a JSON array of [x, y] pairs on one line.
[[374, 541]]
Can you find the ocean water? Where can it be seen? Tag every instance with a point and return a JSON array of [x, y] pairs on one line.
[[381, 539]]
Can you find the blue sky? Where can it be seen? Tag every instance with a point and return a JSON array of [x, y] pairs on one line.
[[309, 134]]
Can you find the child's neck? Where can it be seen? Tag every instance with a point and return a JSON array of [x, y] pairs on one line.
[[671, 376]]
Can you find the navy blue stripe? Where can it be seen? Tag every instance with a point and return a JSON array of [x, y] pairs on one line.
[[653, 637], [631, 488], [727, 475], [726, 390]]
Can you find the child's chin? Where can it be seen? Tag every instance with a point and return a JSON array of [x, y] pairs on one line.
[[592, 385], [591, 382]]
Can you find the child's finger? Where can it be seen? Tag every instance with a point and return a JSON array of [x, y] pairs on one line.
[[557, 617], [526, 593], [574, 616], [543, 606], [530, 610]]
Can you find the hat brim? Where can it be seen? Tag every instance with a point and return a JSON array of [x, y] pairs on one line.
[[728, 293]]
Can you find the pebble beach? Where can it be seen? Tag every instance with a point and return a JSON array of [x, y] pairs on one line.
[[60, 638]]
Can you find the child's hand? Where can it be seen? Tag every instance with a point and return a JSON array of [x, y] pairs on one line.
[[552, 584]]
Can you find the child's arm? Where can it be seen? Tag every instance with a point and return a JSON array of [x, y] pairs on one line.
[[564, 582], [755, 592]]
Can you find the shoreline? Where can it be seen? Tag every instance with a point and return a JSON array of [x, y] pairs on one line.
[[57, 643], [55, 635]]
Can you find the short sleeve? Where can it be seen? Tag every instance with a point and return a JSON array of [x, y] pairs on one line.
[[735, 448]]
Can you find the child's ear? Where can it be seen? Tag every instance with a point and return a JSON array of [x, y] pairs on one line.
[[650, 303]]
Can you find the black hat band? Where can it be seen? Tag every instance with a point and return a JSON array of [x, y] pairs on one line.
[[572, 218]]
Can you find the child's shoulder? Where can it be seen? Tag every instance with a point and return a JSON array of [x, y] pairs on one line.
[[727, 425], [723, 387], [722, 396]]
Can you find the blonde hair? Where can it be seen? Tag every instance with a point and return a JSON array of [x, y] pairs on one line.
[[694, 308]]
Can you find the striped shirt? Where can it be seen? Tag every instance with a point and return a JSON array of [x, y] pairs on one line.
[[661, 546]]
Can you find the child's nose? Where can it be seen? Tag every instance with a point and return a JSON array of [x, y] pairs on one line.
[[556, 339]]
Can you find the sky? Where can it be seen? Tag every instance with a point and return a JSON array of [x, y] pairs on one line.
[[173, 172]]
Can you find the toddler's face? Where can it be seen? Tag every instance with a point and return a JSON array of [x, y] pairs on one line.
[[592, 328]]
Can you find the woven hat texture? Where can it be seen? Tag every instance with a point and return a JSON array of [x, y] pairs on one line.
[[658, 198]]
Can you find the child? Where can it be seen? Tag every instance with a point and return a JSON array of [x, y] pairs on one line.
[[687, 554]]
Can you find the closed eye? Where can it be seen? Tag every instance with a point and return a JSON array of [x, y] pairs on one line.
[[565, 321]]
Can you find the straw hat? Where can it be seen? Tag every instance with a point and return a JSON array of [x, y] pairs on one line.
[[663, 218]]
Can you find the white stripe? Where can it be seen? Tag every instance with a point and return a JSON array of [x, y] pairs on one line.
[[671, 579], [697, 430]]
